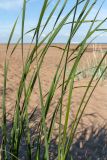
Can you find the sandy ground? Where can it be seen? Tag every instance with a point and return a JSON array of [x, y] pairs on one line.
[[95, 115]]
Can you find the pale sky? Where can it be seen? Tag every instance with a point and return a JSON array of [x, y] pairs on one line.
[[10, 9]]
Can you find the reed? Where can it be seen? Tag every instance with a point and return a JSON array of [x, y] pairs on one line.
[[63, 80]]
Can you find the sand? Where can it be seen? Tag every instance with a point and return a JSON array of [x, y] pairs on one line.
[[95, 115]]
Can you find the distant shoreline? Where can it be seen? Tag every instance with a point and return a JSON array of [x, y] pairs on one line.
[[52, 43]]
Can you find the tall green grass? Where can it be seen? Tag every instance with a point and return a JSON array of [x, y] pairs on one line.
[[62, 80]]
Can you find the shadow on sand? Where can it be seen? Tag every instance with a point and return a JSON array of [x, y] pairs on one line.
[[90, 144]]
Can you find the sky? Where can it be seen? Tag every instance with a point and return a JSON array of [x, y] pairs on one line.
[[10, 9]]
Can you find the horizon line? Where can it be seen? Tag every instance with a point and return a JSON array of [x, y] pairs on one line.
[[4, 43]]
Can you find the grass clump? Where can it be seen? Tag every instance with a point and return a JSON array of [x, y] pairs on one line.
[[63, 80]]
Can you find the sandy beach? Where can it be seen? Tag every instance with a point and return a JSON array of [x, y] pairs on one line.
[[95, 115]]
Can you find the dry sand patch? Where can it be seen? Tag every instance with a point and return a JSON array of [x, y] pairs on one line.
[[96, 111]]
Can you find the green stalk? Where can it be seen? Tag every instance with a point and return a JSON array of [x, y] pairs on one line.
[[4, 121]]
